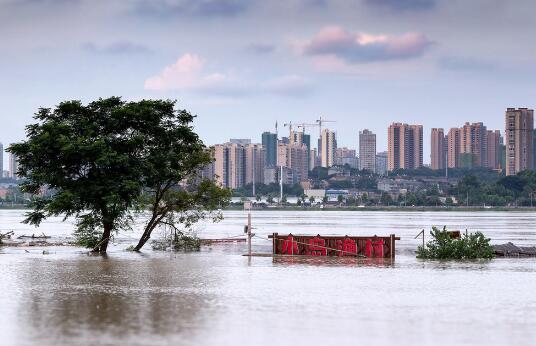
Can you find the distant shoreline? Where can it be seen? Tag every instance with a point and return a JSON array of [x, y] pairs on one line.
[[353, 208], [409, 209]]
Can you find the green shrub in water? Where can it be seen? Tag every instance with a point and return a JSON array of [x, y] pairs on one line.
[[186, 243], [181, 242], [443, 246]]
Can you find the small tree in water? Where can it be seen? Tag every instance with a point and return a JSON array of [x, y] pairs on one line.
[[111, 158], [443, 246]]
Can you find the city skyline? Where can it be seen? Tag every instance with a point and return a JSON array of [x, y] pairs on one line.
[[470, 146], [355, 62], [470, 138]]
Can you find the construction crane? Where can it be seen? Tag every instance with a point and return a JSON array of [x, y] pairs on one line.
[[299, 125], [321, 121], [303, 125], [289, 124]]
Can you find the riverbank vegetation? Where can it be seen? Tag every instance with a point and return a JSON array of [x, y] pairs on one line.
[[445, 246]]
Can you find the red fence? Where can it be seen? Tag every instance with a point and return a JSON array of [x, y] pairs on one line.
[[310, 245]]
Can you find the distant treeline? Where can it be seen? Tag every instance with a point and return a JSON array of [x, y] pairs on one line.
[[515, 189], [475, 190], [485, 174]]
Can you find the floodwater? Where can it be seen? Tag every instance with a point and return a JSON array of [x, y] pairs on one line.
[[219, 297]]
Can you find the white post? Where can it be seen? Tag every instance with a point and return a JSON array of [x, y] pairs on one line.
[[249, 233]]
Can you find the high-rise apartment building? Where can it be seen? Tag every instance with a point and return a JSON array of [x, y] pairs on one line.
[[453, 147], [295, 157], [405, 146], [438, 154], [255, 158], [473, 146], [367, 150], [207, 172], [343, 153], [300, 137], [328, 146], [494, 149], [381, 163], [13, 165], [299, 161], [282, 153], [296, 137], [236, 165], [269, 142], [229, 165], [519, 131]]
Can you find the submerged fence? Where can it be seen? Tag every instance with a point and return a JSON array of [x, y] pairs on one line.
[[317, 245]]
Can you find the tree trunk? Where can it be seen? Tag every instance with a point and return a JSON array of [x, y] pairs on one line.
[[146, 232], [144, 238], [103, 243], [155, 221]]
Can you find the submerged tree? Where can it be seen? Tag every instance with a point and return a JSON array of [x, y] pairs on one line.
[[172, 204], [444, 246], [111, 158]]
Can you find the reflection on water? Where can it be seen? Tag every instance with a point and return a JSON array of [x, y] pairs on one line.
[[74, 300], [333, 261], [219, 297]]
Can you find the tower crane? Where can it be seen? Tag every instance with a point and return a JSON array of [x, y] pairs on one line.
[[304, 125], [289, 124], [299, 125], [320, 121]]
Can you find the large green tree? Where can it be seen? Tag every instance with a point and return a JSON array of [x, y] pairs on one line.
[[110, 158]]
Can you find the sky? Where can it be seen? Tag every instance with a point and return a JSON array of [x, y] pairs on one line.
[[242, 65]]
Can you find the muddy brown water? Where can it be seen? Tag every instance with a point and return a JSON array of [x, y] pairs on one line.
[[219, 297]]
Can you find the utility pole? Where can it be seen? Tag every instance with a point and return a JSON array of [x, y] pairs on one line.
[[447, 166], [281, 185]]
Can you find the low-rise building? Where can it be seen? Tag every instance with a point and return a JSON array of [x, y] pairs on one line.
[[398, 186], [316, 193], [333, 194]]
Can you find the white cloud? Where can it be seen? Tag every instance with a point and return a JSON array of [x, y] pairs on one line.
[[185, 73], [358, 48], [189, 73]]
